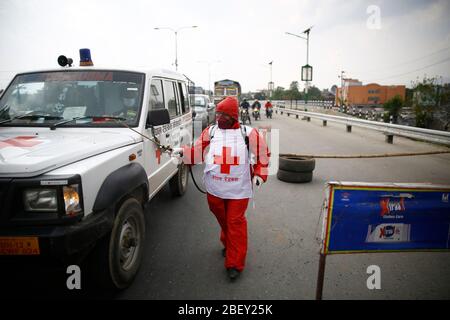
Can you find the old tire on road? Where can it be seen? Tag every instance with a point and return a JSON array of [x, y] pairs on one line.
[[294, 177], [296, 164]]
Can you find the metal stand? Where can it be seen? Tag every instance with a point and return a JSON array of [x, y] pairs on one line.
[[320, 276]]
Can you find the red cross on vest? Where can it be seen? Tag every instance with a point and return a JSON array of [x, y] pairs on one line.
[[21, 141], [226, 160]]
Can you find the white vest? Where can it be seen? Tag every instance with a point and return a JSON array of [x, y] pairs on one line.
[[227, 169]]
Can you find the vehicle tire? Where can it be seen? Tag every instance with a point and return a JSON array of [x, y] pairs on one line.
[[296, 164], [117, 258], [178, 183], [295, 177]]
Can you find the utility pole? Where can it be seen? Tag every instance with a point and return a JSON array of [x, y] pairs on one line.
[[307, 63], [307, 69], [341, 93], [209, 71], [176, 40], [271, 87]]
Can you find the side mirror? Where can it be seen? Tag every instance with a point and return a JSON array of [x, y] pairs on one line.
[[157, 117], [211, 105]]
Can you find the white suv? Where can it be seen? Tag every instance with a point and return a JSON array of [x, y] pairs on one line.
[[79, 159]]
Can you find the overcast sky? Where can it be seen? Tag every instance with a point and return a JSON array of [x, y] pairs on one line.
[[411, 38]]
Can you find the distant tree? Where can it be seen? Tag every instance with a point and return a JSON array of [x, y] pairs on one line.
[[247, 96], [409, 94], [293, 93], [425, 100], [260, 96], [393, 108], [293, 86], [314, 93], [278, 93], [444, 102]]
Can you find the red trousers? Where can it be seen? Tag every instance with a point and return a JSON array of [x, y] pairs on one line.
[[230, 214]]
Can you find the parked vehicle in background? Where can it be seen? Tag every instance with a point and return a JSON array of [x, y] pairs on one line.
[[226, 88], [204, 110]]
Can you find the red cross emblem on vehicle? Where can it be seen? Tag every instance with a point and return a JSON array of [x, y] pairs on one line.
[[226, 160], [158, 155], [21, 142]]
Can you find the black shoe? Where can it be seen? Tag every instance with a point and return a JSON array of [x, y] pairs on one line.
[[224, 252], [233, 273]]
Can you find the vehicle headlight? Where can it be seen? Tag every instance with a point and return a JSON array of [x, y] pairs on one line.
[[72, 199], [41, 200]]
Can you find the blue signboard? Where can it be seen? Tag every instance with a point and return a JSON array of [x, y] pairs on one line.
[[386, 217]]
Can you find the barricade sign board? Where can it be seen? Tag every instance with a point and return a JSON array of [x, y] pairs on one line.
[[360, 217], [385, 217]]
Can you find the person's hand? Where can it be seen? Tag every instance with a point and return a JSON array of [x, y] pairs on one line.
[[177, 155], [177, 152], [258, 181]]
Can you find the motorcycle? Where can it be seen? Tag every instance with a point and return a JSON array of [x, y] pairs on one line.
[[245, 116], [269, 112], [256, 114]]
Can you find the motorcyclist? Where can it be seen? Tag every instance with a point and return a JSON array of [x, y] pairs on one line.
[[269, 109], [256, 106], [245, 106]]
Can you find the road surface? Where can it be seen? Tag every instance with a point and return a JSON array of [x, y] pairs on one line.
[[184, 261], [183, 253]]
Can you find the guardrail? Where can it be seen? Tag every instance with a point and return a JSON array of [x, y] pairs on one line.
[[390, 130], [293, 104]]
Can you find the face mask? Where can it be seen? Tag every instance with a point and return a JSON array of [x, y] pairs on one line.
[[128, 102], [224, 123]]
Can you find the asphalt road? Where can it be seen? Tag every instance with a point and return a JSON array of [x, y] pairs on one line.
[[183, 257], [183, 253]]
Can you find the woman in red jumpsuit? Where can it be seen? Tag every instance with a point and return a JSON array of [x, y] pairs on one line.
[[235, 158]]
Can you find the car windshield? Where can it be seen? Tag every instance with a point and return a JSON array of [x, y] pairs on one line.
[[200, 102], [44, 98]]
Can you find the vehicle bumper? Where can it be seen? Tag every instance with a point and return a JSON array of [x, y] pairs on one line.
[[63, 242]]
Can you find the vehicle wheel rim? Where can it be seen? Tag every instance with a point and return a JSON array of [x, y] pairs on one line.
[[129, 243]]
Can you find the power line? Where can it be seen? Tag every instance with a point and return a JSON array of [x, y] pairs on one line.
[[409, 72], [404, 63]]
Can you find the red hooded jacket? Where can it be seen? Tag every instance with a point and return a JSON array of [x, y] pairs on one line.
[[257, 143]]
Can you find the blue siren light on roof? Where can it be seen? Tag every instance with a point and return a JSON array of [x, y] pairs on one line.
[[85, 58]]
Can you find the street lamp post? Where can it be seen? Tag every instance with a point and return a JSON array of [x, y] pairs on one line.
[[343, 92], [271, 86], [175, 31], [308, 67], [342, 88], [209, 71]]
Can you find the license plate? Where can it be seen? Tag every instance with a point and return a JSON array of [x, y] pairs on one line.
[[19, 246]]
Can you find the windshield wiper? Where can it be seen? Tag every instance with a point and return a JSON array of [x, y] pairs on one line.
[[53, 126], [32, 116]]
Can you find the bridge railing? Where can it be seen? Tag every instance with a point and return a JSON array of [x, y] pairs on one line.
[[390, 130], [302, 104]]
